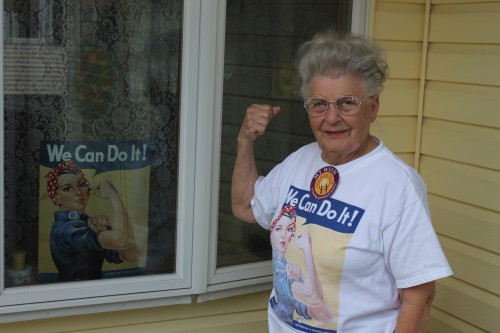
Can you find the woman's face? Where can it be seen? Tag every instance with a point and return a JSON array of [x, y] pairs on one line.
[[73, 192], [342, 138], [282, 233]]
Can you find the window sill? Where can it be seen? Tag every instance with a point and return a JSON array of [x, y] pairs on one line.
[[14, 313]]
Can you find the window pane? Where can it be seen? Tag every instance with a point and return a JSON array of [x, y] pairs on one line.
[[95, 82], [262, 38]]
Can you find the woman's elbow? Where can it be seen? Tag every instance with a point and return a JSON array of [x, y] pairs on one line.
[[115, 242], [243, 213]]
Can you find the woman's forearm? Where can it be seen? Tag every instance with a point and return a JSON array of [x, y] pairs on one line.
[[415, 308], [245, 172], [244, 177]]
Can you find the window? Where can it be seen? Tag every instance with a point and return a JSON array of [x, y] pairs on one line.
[[261, 41], [69, 97], [91, 150], [136, 105], [262, 38]]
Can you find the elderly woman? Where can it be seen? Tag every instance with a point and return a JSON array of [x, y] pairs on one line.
[[365, 210], [79, 244]]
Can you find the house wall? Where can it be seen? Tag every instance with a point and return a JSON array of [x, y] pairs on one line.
[[242, 314], [440, 112]]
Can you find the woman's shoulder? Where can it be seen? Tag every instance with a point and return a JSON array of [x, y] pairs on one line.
[[399, 170]]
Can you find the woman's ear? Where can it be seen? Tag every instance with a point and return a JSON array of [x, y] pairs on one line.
[[374, 108]]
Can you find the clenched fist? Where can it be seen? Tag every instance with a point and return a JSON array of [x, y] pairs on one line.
[[256, 121]]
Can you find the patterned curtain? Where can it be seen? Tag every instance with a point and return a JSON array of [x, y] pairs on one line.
[[91, 70]]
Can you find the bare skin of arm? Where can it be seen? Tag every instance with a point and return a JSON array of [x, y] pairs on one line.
[[121, 235], [415, 308], [245, 172]]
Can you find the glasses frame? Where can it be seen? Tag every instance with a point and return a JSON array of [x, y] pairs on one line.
[[334, 102]]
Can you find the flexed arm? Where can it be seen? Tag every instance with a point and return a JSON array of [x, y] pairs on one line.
[[121, 235], [245, 172]]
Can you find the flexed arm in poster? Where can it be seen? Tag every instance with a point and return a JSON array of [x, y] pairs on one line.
[[307, 289], [120, 236]]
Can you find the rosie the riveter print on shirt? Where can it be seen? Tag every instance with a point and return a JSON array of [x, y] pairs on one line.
[[309, 238]]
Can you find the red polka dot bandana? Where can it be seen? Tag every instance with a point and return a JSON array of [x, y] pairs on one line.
[[53, 177], [287, 210]]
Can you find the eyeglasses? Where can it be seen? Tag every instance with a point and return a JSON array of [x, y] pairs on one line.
[[345, 106]]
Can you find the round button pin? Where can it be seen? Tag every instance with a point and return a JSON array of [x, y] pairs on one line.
[[324, 183]]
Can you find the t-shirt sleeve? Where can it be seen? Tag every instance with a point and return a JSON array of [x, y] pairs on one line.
[[266, 196], [262, 206], [270, 191], [412, 250], [77, 235]]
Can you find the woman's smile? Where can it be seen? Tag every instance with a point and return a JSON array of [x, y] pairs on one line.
[[335, 133]]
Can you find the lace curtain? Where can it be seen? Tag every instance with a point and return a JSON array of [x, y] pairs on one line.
[[91, 70]]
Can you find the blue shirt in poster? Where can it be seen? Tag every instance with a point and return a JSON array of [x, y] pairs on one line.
[[75, 250]]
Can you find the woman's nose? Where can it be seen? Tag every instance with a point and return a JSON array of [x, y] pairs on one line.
[[332, 115]]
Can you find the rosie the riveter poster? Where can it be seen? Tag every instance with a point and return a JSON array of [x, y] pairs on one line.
[[93, 210]]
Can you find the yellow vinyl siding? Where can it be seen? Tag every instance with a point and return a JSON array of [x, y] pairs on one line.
[[465, 23], [454, 219], [397, 132], [469, 304], [462, 182], [456, 2], [404, 59], [400, 98], [465, 103], [396, 124], [454, 68], [464, 63], [228, 323], [443, 322], [409, 16], [242, 314], [452, 140], [468, 260], [408, 158], [409, 1]]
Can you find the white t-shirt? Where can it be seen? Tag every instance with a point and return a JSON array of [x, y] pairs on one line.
[[372, 236]]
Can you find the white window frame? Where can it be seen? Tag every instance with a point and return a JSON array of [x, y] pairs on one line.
[[198, 179], [42, 301], [257, 276]]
